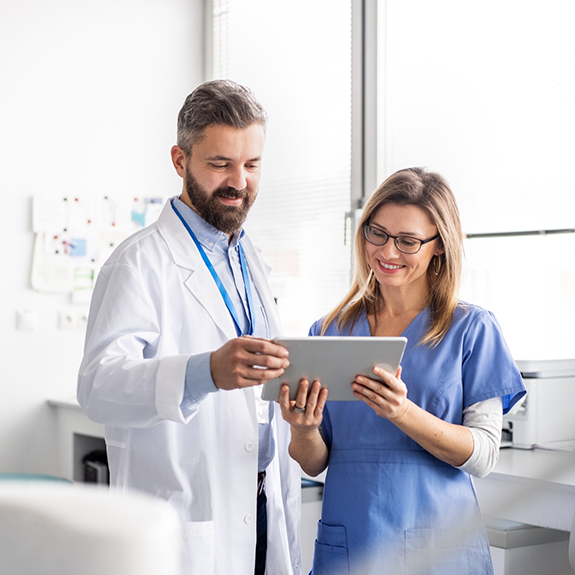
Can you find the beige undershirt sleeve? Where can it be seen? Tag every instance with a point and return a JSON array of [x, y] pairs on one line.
[[484, 419]]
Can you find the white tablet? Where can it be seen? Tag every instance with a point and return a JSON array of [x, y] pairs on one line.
[[335, 361]]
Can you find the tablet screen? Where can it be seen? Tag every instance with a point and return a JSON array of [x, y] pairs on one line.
[[335, 361]]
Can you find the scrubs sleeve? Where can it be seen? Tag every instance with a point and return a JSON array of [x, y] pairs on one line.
[[315, 329], [488, 368]]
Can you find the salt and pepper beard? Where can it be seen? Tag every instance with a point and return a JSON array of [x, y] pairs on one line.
[[228, 219]]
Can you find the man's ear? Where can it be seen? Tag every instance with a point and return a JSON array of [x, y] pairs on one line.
[[179, 160]]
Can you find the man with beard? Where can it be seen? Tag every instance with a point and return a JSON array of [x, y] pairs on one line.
[[179, 341]]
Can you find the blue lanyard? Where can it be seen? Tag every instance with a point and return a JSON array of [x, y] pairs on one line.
[[226, 297]]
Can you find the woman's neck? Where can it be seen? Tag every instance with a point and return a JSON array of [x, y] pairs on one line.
[[397, 310]]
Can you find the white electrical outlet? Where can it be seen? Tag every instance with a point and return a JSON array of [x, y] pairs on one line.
[[73, 319], [67, 320], [82, 319]]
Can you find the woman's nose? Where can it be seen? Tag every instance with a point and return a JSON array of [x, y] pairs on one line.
[[389, 249]]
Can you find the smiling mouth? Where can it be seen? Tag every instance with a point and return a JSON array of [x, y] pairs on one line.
[[389, 266], [231, 197], [230, 201]]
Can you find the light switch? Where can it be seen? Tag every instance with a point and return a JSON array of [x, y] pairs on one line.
[[27, 319]]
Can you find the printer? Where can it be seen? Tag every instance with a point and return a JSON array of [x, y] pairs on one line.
[[547, 413]]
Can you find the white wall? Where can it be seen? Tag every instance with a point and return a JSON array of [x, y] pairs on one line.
[[90, 91]]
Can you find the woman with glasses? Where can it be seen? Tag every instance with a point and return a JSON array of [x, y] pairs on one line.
[[398, 495]]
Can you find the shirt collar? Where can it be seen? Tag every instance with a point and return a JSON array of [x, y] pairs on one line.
[[206, 234]]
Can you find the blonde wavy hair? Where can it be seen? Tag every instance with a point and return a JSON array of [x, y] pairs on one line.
[[430, 192]]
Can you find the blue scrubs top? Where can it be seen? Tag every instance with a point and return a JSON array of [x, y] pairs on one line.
[[389, 506]]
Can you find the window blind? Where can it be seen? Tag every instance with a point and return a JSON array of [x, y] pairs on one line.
[[296, 57]]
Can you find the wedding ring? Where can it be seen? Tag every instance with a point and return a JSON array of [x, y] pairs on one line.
[[298, 409]]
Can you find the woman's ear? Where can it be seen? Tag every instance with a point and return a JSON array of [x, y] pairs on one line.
[[440, 249]]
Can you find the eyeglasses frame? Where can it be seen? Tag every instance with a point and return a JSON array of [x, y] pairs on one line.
[[395, 238]]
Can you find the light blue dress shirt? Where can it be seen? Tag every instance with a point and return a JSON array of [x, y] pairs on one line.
[[225, 258]]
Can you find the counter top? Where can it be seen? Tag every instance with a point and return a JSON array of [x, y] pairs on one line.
[[552, 467], [531, 486], [69, 402]]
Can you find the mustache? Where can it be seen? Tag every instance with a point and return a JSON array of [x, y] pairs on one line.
[[231, 193]]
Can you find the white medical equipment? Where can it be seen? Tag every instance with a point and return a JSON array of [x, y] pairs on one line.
[[73, 529], [546, 416]]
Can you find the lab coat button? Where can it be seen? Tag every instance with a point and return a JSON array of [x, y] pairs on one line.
[[249, 446], [248, 518]]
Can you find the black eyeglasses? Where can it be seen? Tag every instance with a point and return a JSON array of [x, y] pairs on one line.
[[405, 244]]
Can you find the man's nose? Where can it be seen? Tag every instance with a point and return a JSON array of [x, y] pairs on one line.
[[237, 179]]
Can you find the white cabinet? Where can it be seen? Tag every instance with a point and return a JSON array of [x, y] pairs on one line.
[[77, 436]]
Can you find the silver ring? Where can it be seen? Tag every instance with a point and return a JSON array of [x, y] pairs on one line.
[[298, 409]]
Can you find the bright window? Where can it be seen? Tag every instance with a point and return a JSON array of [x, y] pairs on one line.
[[483, 92], [296, 57]]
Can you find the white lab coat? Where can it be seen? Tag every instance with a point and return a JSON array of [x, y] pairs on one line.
[[154, 304]]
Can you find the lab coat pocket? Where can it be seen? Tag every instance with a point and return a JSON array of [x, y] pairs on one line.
[[443, 552], [199, 547], [331, 556]]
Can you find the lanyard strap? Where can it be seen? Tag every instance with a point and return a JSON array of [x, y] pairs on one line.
[[248, 286], [226, 297]]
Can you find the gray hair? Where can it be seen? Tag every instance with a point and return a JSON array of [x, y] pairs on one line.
[[222, 102]]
